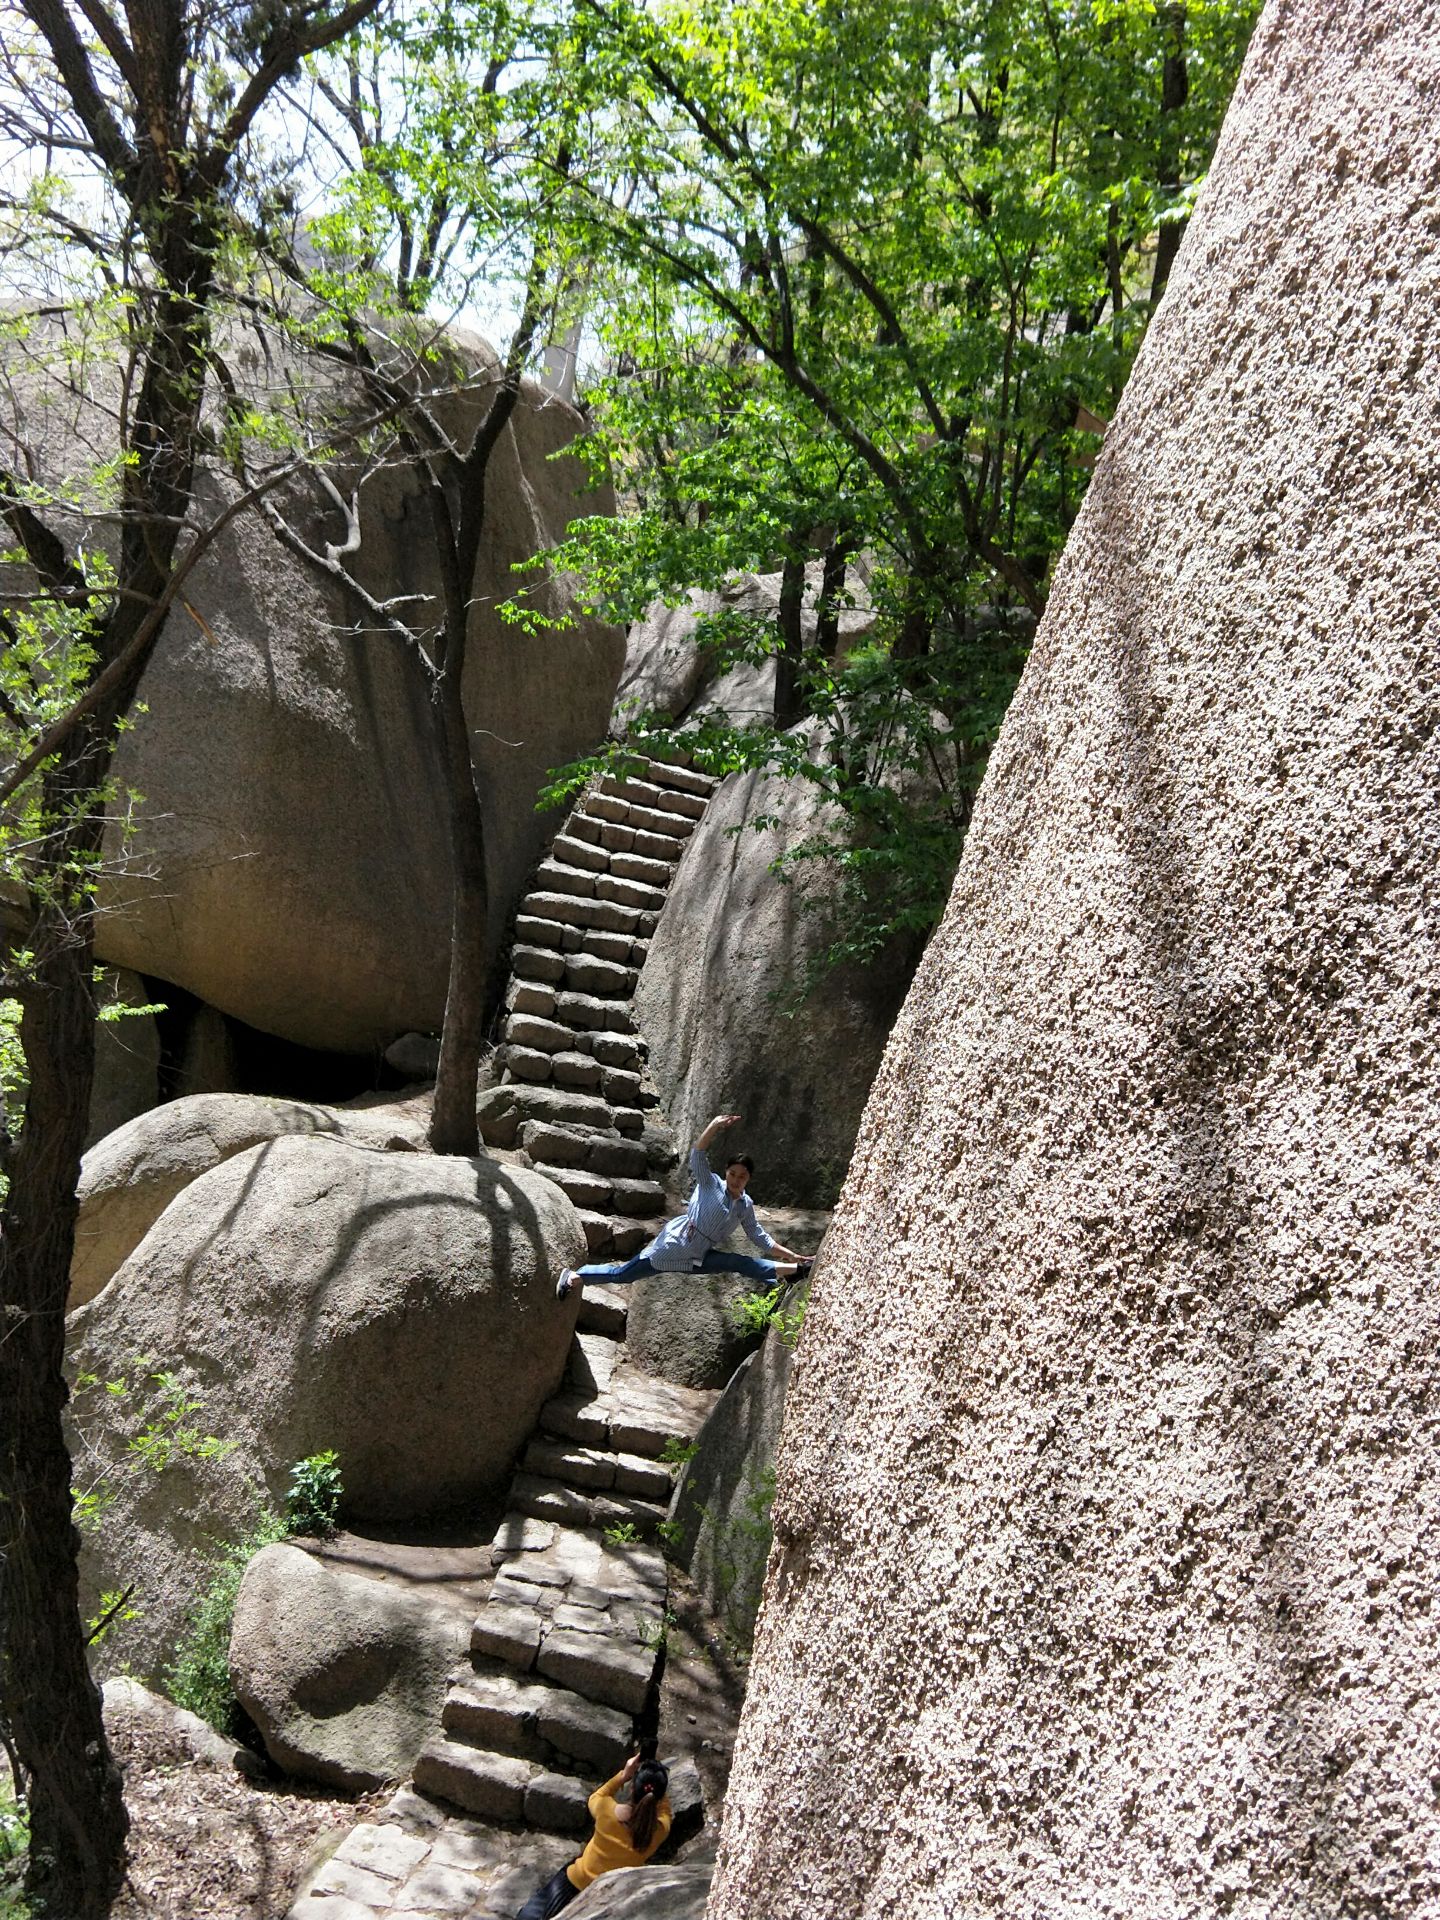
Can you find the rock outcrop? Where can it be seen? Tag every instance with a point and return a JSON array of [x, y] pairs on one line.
[[290, 860], [129, 1178], [310, 1294], [1107, 1508], [342, 1674], [720, 1512], [733, 942]]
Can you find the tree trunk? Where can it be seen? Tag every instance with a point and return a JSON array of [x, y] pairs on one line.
[[77, 1816], [453, 1127], [789, 694], [1174, 92]]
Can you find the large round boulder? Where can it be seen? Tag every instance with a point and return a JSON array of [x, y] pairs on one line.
[[731, 943], [687, 1327], [343, 1675], [675, 1891], [310, 1294], [288, 859], [129, 1178]]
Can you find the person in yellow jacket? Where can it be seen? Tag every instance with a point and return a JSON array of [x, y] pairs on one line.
[[627, 1832]]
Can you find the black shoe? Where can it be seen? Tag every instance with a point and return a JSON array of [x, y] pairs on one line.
[[567, 1280], [802, 1270]]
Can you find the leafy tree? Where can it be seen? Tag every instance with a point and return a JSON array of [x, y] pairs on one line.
[[872, 263], [125, 134]]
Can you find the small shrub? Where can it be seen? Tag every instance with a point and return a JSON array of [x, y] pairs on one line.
[[677, 1452], [312, 1504], [757, 1313], [624, 1533], [199, 1675]]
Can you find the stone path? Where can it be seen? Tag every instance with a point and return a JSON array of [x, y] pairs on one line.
[[564, 1658], [573, 1094]]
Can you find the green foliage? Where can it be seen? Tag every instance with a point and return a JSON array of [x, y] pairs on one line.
[[312, 1501], [678, 1452], [862, 268], [624, 1533], [758, 1313], [14, 1844], [199, 1675], [154, 1412]]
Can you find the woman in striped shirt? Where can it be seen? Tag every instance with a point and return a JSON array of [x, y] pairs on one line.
[[688, 1243]]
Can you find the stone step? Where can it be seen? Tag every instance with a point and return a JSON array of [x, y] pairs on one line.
[[602, 979], [553, 876], [643, 794], [639, 820], [624, 1087], [617, 1049], [637, 1199], [548, 1499], [538, 963], [611, 1237], [670, 826], [576, 851], [634, 866], [584, 1189], [502, 1110], [563, 936], [630, 893], [534, 1720], [530, 996], [619, 836], [611, 916], [498, 1786], [541, 1035], [596, 1469], [603, 1310], [625, 1420], [661, 773], [629, 1120], [593, 1013], [579, 1147]]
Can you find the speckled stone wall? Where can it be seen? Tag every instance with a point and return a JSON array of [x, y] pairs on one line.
[[1107, 1576]]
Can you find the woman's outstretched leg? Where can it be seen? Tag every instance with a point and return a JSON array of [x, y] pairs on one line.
[[618, 1273]]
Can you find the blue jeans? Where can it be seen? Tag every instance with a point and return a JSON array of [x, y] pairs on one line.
[[622, 1272]]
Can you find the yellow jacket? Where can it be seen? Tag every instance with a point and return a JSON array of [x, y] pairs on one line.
[[610, 1843]]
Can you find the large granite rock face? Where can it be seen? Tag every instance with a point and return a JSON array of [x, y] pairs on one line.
[[129, 1178], [307, 1294], [731, 943], [1107, 1513], [290, 861], [344, 1676]]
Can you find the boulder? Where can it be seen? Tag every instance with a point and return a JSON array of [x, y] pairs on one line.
[[129, 1178], [730, 941], [1107, 1498], [684, 1326], [722, 1499], [343, 1675], [665, 666], [307, 1294], [131, 1708], [677, 1892], [289, 862]]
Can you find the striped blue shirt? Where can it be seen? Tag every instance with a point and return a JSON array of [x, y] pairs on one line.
[[712, 1216]]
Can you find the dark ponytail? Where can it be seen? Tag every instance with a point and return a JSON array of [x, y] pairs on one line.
[[651, 1780]]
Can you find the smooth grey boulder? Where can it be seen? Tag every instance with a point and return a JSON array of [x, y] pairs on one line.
[[310, 1294], [732, 940], [1107, 1497], [129, 1178], [676, 1892], [344, 1675], [289, 862], [685, 1326]]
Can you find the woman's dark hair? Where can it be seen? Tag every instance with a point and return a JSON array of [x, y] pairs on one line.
[[651, 1780], [741, 1160]]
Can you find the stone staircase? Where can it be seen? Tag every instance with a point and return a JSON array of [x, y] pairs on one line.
[[573, 1095], [565, 1653]]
